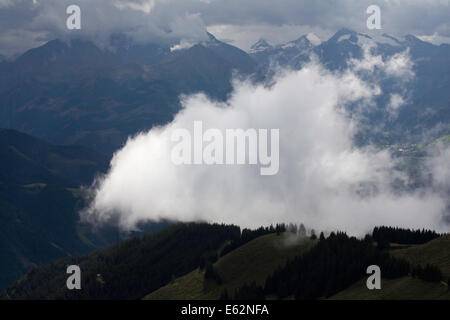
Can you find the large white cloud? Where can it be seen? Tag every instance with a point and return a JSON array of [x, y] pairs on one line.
[[324, 180]]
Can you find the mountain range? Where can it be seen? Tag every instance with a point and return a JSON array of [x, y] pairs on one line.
[[428, 105], [77, 93]]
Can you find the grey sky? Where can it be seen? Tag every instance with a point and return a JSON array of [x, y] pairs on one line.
[[28, 23]]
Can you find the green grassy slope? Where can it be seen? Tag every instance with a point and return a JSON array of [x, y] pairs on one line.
[[435, 252], [253, 261], [406, 288]]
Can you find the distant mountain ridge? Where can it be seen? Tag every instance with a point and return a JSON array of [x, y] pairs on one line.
[[26, 160], [40, 199], [77, 93], [427, 108]]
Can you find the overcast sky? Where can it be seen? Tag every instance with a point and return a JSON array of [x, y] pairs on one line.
[[28, 23]]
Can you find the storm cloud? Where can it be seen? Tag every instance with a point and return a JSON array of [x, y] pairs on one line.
[[27, 23]]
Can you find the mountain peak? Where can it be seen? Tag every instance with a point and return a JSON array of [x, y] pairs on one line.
[[211, 36], [303, 40], [346, 31], [300, 43], [260, 45], [313, 39], [411, 39], [344, 34], [390, 37]]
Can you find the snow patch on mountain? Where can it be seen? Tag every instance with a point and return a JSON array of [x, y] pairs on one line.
[[314, 39], [379, 39], [344, 37], [183, 45], [435, 39]]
